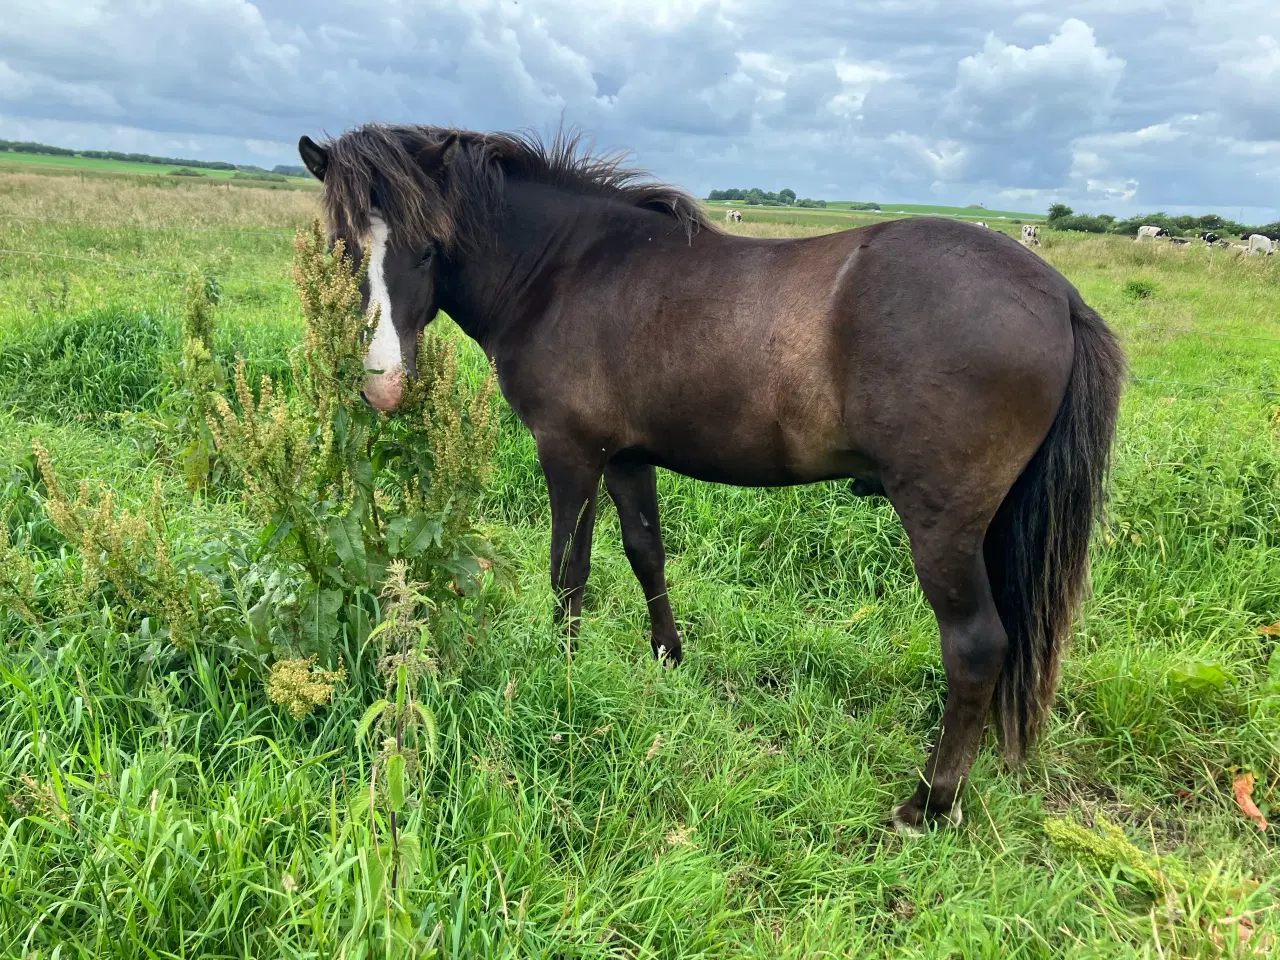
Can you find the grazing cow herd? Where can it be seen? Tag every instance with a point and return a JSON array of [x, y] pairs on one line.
[[1030, 233], [1254, 243]]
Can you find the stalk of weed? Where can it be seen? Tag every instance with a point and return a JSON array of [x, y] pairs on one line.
[[339, 493]]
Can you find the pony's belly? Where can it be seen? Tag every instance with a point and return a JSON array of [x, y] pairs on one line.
[[757, 468]]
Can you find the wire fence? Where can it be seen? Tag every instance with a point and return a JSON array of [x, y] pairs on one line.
[[134, 268]]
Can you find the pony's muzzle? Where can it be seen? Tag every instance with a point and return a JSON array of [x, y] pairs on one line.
[[384, 390]]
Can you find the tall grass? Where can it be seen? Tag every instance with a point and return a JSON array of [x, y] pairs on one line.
[[159, 804]]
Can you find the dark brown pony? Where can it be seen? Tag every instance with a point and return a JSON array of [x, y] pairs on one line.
[[941, 365]]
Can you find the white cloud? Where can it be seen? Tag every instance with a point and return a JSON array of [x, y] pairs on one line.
[[946, 160], [1021, 108], [1112, 190], [1121, 102]]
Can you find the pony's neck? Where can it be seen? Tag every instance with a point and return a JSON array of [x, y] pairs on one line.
[[506, 283]]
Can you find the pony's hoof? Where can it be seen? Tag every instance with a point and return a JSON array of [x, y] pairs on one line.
[[910, 821], [906, 829], [668, 656]]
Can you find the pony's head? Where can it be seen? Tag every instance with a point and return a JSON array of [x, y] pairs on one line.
[[385, 199], [420, 200]]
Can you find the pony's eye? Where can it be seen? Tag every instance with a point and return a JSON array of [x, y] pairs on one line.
[[426, 257]]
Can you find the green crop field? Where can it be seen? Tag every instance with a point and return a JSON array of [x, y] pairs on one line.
[[156, 802], [11, 162]]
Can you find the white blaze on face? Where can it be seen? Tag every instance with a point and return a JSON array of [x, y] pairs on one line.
[[382, 389]]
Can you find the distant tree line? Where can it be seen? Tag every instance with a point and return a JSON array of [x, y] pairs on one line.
[[43, 149], [785, 197], [1062, 217]]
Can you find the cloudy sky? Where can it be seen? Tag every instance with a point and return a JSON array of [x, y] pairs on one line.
[[1109, 105]]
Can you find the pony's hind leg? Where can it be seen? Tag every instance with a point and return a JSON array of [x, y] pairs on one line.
[[949, 562], [634, 489], [571, 487]]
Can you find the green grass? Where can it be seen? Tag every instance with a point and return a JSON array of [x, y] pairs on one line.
[[731, 808], [41, 163]]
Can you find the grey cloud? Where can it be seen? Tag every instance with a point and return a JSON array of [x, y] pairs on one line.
[[54, 96], [884, 99], [1249, 88]]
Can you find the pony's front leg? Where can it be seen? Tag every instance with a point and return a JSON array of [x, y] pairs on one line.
[[571, 485]]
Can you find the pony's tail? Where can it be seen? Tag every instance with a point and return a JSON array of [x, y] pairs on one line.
[[1037, 547]]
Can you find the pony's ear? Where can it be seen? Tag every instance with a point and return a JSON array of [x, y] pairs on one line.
[[314, 156], [437, 156]]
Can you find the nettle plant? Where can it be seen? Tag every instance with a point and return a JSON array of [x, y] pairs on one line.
[[342, 498]]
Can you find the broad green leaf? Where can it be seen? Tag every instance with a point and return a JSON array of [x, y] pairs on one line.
[[395, 781], [410, 859], [416, 536], [1201, 676], [378, 861], [348, 543], [364, 479], [318, 623], [358, 619], [429, 725], [370, 715], [277, 531], [375, 564], [340, 421], [259, 619], [395, 531]]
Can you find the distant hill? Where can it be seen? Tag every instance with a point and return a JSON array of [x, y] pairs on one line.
[[44, 149], [970, 212]]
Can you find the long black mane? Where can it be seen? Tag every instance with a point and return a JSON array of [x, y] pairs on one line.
[[385, 165]]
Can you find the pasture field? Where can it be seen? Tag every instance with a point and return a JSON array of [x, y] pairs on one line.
[[837, 213], [11, 162], [976, 213], [155, 803], [808, 221]]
